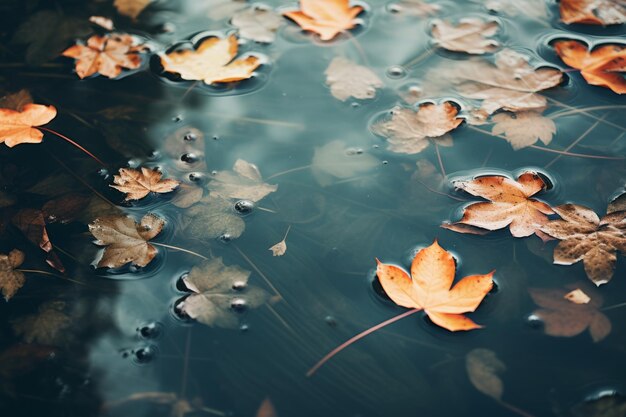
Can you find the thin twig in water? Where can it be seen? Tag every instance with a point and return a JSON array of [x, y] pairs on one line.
[[439, 192], [441, 167], [418, 59], [576, 142], [191, 87], [180, 249], [289, 171], [79, 179], [65, 138], [37, 271], [586, 113], [258, 271]]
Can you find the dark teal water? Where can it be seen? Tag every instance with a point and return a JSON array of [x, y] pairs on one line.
[[124, 337]]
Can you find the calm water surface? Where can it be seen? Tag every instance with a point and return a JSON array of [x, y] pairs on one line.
[[128, 353]]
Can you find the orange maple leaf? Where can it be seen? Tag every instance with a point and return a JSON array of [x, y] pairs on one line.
[[106, 55], [327, 18], [603, 66], [429, 288], [18, 127], [138, 184], [592, 12], [509, 205]]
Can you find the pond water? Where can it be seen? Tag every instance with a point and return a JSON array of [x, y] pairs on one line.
[[113, 341]]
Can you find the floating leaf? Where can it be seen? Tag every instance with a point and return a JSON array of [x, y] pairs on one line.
[[280, 248], [47, 327], [327, 18], [604, 66], [409, 131], [336, 161], [483, 369], [347, 79], [213, 61], [32, 224], [138, 184], [584, 236], [577, 296], [126, 240], [16, 101], [106, 55], [593, 12], [470, 35], [17, 127], [415, 8], [244, 182], [187, 195], [509, 203], [534, 9], [257, 23], [131, 8], [511, 84], [213, 217], [220, 293], [429, 287], [10, 279], [523, 129], [562, 317]]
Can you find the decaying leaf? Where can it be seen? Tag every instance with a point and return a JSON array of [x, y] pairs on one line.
[[509, 203], [213, 217], [562, 317], [258, 24], [137, 184], [593, 12], [18, 127], [348, 79], [220, 293], [280, 248], [10, 279], [106, 55], [126, 240], [244, 182], [524, 128], [16, 101], [213, 61], [534, 9], [327, 18], [131, 8], [187, 195], [511, 84], [222, 9], [584, 236], [47, 327], [617, 204], [335, 161], [470, 35], [429, 287], [604, 66], [415, 8], [409, 131], [577, 296], [32, 224], [483, 368]]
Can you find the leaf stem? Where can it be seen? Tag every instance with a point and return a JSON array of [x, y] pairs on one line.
[[37, 271], [289, 171], [418, 58], [576, 142], [180, 249], [586, 113], [82, 181], [441, 167], [95, 158], [356, 338]]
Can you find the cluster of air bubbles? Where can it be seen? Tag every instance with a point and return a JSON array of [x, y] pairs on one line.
[[244, 207]]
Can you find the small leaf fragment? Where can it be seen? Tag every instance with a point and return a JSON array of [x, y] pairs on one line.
[[483, 369], [470, 35], [10, 279], [258, 24], [347, 79]]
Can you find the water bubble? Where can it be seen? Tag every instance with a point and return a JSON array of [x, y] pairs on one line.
[[190, 137], [178, 118], [534, 321], [145, 354], [238, 304], [167, 27], [396, 71], [196, 176], [189, 158], [355, 105], [214, 172], [394, 8], [215, 137], [180, 282], [226, 237], [330, 320], [376, 146], [150, 330], [154, 155], [244, 328], [104, 173], [354, 151], [244, 207], [385, 162], [134, 163]]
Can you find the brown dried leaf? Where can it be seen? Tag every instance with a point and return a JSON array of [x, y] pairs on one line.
[[17, 127], [584, 236], [125, 240], [138, 184], [10, 279], [617, 204], [16, 101], [524, 128], [187, 195], [258, 24], [511, 84], [107, 55], [280, 248], [347, 79], [213, 61], [410, 131], [470, 35], [47, 327], [564, 318], [577, 296], [244, 182], [593, 12], [220, 292], [327, 18], [32, 224], [213, 217], [483, 367], [509, 203]]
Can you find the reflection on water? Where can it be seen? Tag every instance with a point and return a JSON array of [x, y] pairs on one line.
[[124, 349]]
